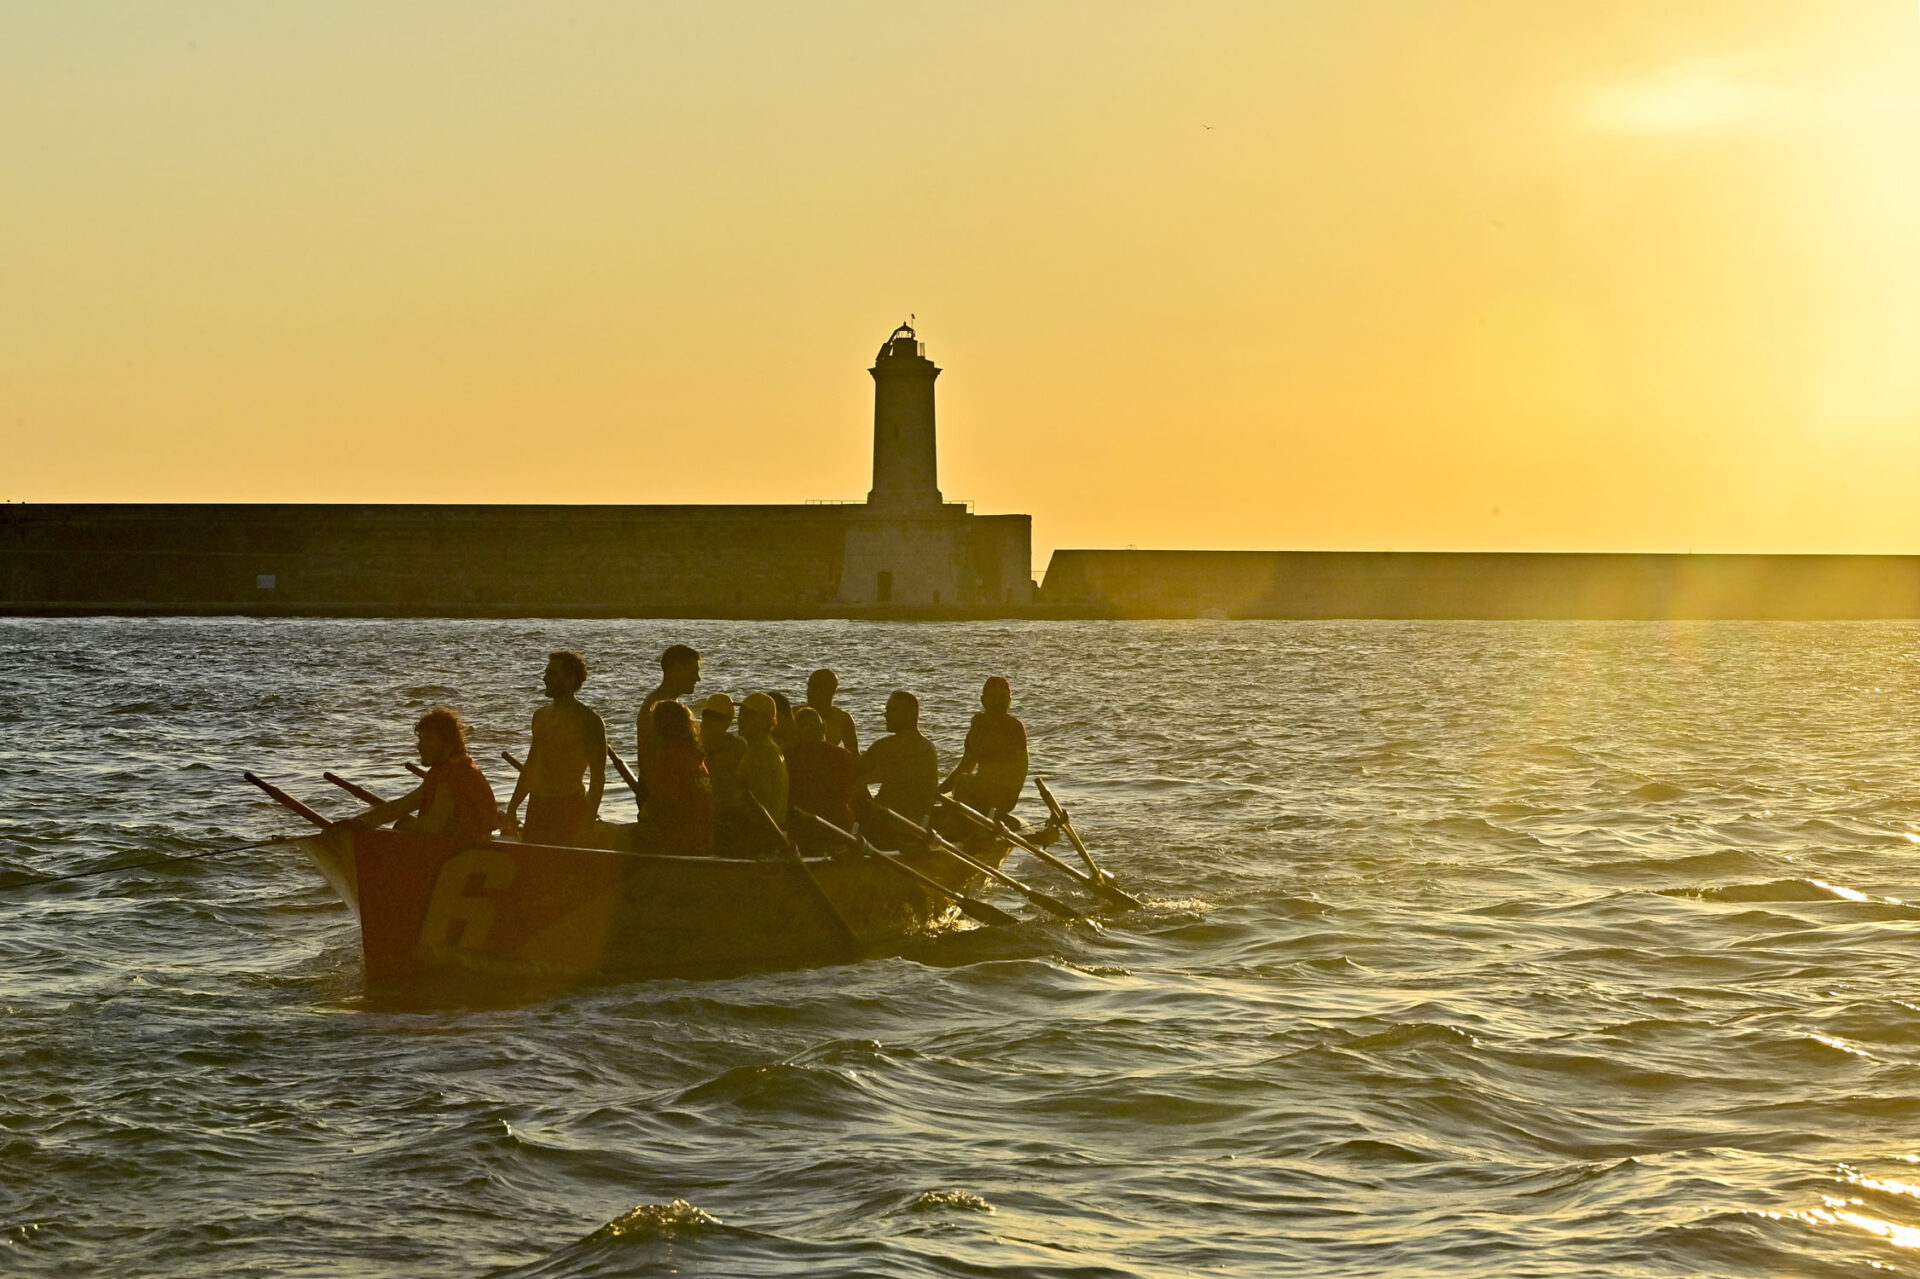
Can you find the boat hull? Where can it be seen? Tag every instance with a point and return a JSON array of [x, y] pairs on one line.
[[427, 905]]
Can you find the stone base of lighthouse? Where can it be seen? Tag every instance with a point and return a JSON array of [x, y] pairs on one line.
[[936, 558]]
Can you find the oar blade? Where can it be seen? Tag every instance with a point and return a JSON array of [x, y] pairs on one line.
[[1101, 881], [984, 912]]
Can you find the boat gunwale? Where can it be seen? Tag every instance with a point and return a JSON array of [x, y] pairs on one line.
[[644, 855]]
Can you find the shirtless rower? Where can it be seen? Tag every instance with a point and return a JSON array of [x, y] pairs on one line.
[[993, 770], [838, 725], [906, 766], [569, 740]]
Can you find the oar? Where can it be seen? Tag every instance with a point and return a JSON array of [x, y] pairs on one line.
[[416, 770], [360, 793], [1099, 886], [1034, 895], [626, 774], [1066, 824], [973, 906], [518, 767], [285, 800], [799, 863]]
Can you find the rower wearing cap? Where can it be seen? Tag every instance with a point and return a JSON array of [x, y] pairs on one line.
[[724, 751], [763, 772]]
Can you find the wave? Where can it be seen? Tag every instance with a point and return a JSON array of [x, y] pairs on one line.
[[1777, 890], [1658, 792], [1414, 1034], [657, 1221]]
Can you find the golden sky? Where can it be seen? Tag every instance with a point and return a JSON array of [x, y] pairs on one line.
[[1291, 273]]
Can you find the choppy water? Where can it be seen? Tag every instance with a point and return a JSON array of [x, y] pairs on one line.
[[1475, 949]]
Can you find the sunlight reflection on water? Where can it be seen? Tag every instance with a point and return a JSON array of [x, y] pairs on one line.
[[1564, 949]]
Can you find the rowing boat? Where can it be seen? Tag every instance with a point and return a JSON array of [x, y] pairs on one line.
[[426, 905]]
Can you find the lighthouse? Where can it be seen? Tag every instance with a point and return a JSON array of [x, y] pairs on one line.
[[905, 465], [907, 547]]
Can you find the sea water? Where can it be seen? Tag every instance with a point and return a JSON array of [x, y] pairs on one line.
[[1497, 949]]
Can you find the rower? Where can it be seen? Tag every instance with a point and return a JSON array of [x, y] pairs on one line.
[[763, 772], [678, 815], [569, 742], [454, 799], [821, 780], [679, 673], [782, 720], [993, 770], [821, 686], [903, 763], [723, 751]]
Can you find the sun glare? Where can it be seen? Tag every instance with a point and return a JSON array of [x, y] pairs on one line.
[[1685, 99]]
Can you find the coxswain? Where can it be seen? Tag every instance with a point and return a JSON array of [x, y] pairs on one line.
[[903, 763], [569, 744], [678, 815], [993, 770], [821, 686], [821, 779], [679, 674], [454, 799]]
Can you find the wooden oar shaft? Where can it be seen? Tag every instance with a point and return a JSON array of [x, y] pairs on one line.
[[287, 801], [518, 767], [1066, 824], [626, 774], [799, 863], [1034, 895], [979, 910], [360, 793], [416, 770]]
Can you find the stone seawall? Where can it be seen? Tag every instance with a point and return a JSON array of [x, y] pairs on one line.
[[419, 560], [1388, 584], [830, 561], [489, 561]]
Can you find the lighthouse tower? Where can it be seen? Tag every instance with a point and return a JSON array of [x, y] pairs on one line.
[[905, 474], [907, 547]]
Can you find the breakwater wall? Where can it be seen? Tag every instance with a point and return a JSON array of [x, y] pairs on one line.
[[510, 561], [836, 560], [1396, 584]]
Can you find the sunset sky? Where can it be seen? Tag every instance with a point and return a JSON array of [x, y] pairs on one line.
[[1482, 274]]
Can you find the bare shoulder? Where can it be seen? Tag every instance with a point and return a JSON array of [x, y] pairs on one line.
[[591, 725]]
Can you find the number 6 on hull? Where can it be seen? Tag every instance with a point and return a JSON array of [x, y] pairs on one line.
[[459, 917]]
